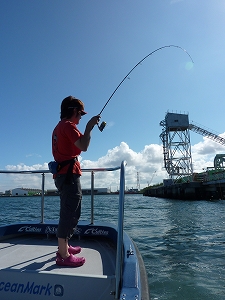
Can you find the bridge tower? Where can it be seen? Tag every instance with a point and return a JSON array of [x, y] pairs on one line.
[[175, 137]]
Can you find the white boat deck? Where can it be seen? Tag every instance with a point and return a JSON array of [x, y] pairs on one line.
[[27, 257], [39, 255]]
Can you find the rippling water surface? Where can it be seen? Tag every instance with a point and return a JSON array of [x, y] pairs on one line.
[[182, 242]]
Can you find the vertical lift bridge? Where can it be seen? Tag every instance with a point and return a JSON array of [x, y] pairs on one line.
[[175, 137]]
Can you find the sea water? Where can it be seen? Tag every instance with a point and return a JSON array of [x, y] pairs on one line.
[[182, 242]]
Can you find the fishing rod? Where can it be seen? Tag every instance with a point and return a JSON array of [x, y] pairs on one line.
[[103, 124]]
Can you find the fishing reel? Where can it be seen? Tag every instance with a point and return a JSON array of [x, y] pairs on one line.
[[102, 126]]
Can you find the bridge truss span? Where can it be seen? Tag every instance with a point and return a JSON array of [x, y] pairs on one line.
[[206, 133]]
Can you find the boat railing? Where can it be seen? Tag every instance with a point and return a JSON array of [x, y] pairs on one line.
[[118, 271]]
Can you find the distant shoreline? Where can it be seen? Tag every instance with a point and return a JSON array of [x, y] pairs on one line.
[[54, 195]]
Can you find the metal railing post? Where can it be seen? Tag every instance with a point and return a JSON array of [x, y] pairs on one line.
[[92, 197], [119, 252], [42, 197]]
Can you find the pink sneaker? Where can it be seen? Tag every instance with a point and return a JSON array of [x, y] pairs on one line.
[[71, 261], [74, 250]]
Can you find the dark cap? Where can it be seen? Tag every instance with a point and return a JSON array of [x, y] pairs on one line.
[[72, 102]]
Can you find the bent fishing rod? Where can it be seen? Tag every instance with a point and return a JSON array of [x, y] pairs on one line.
[[103, 124]]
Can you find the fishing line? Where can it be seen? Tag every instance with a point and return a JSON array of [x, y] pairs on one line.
[[103, 124]]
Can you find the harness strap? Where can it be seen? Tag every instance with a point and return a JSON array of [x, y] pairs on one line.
[[66, 162], [69, 174]]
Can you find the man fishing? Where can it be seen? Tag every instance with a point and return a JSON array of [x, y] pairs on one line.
[[67, 144]]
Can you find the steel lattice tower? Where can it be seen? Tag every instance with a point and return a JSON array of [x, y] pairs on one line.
[[175, 137]]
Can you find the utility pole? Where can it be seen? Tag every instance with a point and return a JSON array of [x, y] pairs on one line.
[[138, 182]]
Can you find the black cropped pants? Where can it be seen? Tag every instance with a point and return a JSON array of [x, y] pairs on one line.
[[70, 204]]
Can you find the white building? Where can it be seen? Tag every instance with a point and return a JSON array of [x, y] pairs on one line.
[[19, 192]]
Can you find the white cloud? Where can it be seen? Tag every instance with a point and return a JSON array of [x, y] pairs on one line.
[[23, 167], [139, 164], [33, 155], [11, 181], [146, 165]]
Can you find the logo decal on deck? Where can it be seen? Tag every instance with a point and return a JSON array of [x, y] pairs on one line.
[[96, 231], [58, 290], [29, 229], [27, 288], [50, 230]]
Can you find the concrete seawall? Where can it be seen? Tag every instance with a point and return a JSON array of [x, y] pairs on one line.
[[189, 191]]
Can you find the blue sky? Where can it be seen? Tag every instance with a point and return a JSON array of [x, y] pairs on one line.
[[51, 49]]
